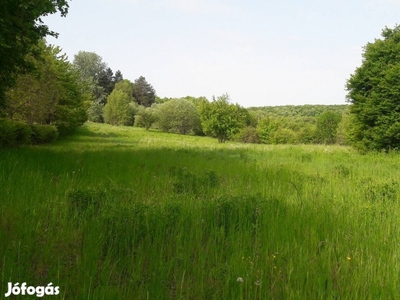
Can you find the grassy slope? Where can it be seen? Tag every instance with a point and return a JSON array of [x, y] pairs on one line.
[[121, 213]]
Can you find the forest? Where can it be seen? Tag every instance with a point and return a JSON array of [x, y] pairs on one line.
[[57, 96]]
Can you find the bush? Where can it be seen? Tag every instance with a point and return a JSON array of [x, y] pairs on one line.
[[133, 109], [145, 117], [284, 136], [265, 129], [327, 124], [178, 116], [42, 134], [248, 135], [306, 134], [14, 133]]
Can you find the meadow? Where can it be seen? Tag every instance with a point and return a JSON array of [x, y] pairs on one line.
[[124, 213]]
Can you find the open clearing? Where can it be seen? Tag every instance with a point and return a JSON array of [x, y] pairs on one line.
[[122, 213]]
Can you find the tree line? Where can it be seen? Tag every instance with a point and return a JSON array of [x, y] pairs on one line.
[[43, 95]]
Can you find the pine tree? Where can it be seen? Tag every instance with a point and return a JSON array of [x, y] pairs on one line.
[[143, 92]]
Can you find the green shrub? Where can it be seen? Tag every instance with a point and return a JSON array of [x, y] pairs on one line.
[[283, 136], [14, 133], [178, 116], [248, 135], [42, 134], [145, 117]]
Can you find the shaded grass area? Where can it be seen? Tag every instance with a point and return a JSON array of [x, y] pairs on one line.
[[121, 213]]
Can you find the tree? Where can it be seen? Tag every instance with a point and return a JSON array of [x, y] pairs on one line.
[[91, 67], [248, 134], [118, 77], [306, 134], [126, 86], [21, 28], [374, 91], [197, 101], [106, 81], [145, 117], [143, 92], [96, 112], [266, 127], [177, 115], [327, 124], [283, 136], [344, 129], [222, 119], [118, 110], [53, 94]]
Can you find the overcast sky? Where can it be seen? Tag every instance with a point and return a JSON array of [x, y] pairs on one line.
[[271, 52]]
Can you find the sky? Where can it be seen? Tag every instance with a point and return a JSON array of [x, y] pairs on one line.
[[262, 53]]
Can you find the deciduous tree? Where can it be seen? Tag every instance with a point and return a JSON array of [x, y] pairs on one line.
[[374, 91], [119, 109], [222, 119], [126, 86], [326, 130], [177, 115], [21, 28], [91, 67], [145, 117], [53, 94]]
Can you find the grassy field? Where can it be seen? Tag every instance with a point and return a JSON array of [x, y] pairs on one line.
[[121, 213]]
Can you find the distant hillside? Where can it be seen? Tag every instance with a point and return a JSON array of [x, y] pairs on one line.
[[298, 110]]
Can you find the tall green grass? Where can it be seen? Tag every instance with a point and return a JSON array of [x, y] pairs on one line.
[[122, 213]]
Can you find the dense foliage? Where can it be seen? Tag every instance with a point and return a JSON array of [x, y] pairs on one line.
[[307, 110], [120, 109], [326, 129], [21, 28], [374, 91], [222, 119], [145, 117], [53, 94], [144, 92], [98, 77], [177, 115], [15, 133]]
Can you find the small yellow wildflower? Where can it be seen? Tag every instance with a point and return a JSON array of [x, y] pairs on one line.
[[348, 258]]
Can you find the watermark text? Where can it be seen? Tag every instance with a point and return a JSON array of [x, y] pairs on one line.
[[39, 291]]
